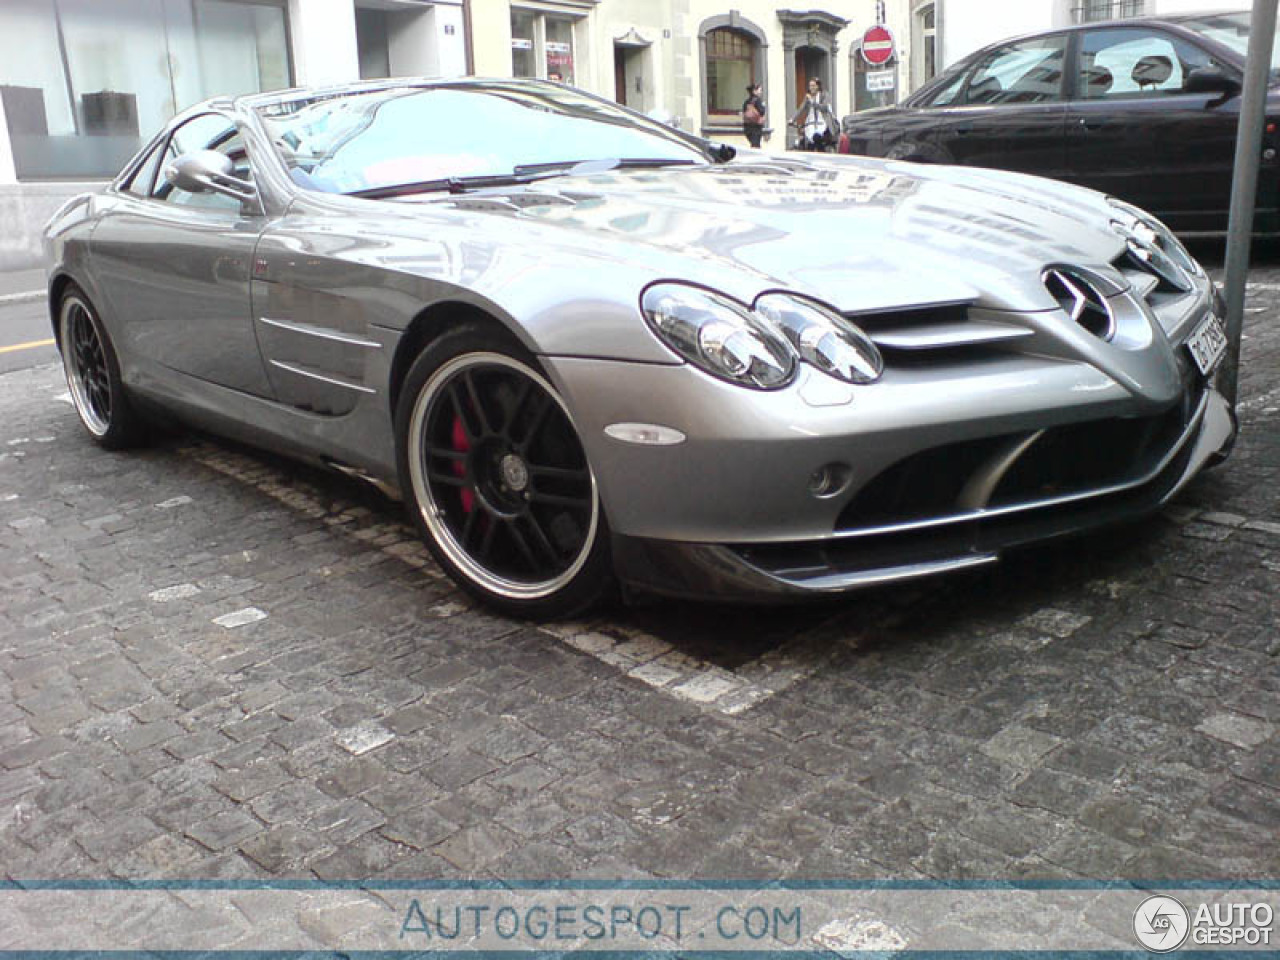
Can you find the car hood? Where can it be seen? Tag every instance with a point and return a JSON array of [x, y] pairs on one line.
[[859, 234]]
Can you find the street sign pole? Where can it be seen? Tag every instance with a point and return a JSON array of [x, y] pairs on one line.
[[1244, 187]]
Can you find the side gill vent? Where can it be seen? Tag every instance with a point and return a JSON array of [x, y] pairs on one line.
[[1081, 299]]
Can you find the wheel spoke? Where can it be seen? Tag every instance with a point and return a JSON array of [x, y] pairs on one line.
[[540, 539], [522, 544], [448, 479], [468, 527], [468, 378], [486, 541], [556, 500], [446, 453], [460, 409], [560, 473], [545, 404], [509, 420]]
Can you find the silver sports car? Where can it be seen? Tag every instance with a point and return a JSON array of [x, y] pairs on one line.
[[593, 352]]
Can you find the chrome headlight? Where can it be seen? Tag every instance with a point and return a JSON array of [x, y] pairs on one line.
[[823, 338], [719, 336], [1153, 243]]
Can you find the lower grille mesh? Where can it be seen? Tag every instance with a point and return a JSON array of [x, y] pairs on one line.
[[1065, 460]]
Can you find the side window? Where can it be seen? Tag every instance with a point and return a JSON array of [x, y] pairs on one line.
[[1027, 72], [140, 183], [948, 93], [1130, 63], [210, 131]]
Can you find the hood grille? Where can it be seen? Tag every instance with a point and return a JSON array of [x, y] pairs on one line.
[[1082, 299], [934, 334]]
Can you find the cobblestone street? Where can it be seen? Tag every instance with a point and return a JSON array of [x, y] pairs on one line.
[[218, 664]]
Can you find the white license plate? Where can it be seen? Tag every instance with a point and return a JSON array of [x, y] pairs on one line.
[[1207, 343]]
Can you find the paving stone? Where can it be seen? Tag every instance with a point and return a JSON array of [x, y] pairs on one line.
[[1242, 731], [224, 830], [286, 848], [475, 847]]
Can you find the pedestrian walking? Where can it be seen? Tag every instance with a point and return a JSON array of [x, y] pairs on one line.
[[814, 120], [753, 115]]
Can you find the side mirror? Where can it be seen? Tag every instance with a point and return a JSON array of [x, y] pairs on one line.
[[722, 152], [1211, 80], [208, 171]]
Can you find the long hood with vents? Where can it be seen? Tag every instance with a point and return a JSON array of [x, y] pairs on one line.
[[860, 235]]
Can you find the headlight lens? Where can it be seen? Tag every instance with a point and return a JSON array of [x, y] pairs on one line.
[[719, 336], [823, 338]]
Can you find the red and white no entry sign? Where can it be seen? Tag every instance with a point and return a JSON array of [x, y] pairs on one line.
[[877, 45]]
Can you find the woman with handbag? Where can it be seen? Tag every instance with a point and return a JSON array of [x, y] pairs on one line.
[[753, 116], [814, 119]]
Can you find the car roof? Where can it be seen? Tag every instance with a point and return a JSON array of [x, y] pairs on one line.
[[1173, 19]]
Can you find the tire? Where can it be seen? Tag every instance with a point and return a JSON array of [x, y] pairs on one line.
[[93, 375], [497, 480]]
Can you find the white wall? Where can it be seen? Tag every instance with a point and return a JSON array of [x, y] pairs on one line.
[[1170, 7], [969, 25], [324, 41]]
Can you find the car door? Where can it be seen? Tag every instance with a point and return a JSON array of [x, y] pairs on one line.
[[1135, 133], [1010, 112], [176, 267]]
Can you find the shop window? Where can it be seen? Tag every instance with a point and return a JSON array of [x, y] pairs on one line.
[[85, 82], [541, 45]]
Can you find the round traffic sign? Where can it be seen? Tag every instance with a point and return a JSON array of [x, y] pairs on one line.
[[877, 45]]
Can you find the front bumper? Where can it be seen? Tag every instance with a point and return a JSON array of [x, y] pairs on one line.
[[795, 570]]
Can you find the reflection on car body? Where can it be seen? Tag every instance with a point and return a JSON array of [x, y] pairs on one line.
[[593, 352]]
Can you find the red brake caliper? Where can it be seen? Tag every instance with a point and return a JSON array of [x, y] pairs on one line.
[[461, 444]]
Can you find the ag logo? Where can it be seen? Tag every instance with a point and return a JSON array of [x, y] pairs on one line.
[[1161, 924]]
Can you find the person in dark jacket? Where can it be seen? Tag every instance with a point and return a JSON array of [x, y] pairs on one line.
[[753, 112]]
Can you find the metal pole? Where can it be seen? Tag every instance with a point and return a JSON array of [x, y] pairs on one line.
[[1244, 186]]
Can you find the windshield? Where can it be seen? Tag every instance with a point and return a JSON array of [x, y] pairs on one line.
[[1232, 31], [436, 137]]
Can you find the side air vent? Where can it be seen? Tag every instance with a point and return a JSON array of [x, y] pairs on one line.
[[1082, 298]]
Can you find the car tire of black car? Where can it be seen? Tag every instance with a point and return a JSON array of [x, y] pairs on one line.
[[93, 374], [497, 479]]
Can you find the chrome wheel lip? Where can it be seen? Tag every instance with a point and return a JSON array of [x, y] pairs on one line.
[[94, 421], [433, 515]]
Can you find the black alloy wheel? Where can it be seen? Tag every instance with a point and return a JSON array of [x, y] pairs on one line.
[[93, 374], [499, 479]]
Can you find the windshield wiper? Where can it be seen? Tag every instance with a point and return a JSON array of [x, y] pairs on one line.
[[525, 173], [452, 184]]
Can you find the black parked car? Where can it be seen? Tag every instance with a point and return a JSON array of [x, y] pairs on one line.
[[1142, 109]]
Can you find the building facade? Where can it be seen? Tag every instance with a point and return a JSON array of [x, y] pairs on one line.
[[691, 60], [83, 83]]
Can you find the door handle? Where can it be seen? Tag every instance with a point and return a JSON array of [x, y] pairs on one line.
[[1087, 123], [963, 129]]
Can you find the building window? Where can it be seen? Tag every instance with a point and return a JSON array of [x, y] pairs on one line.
[[929, 42], [84, 83], [1092, 11], [541, 45], [730, 69]]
